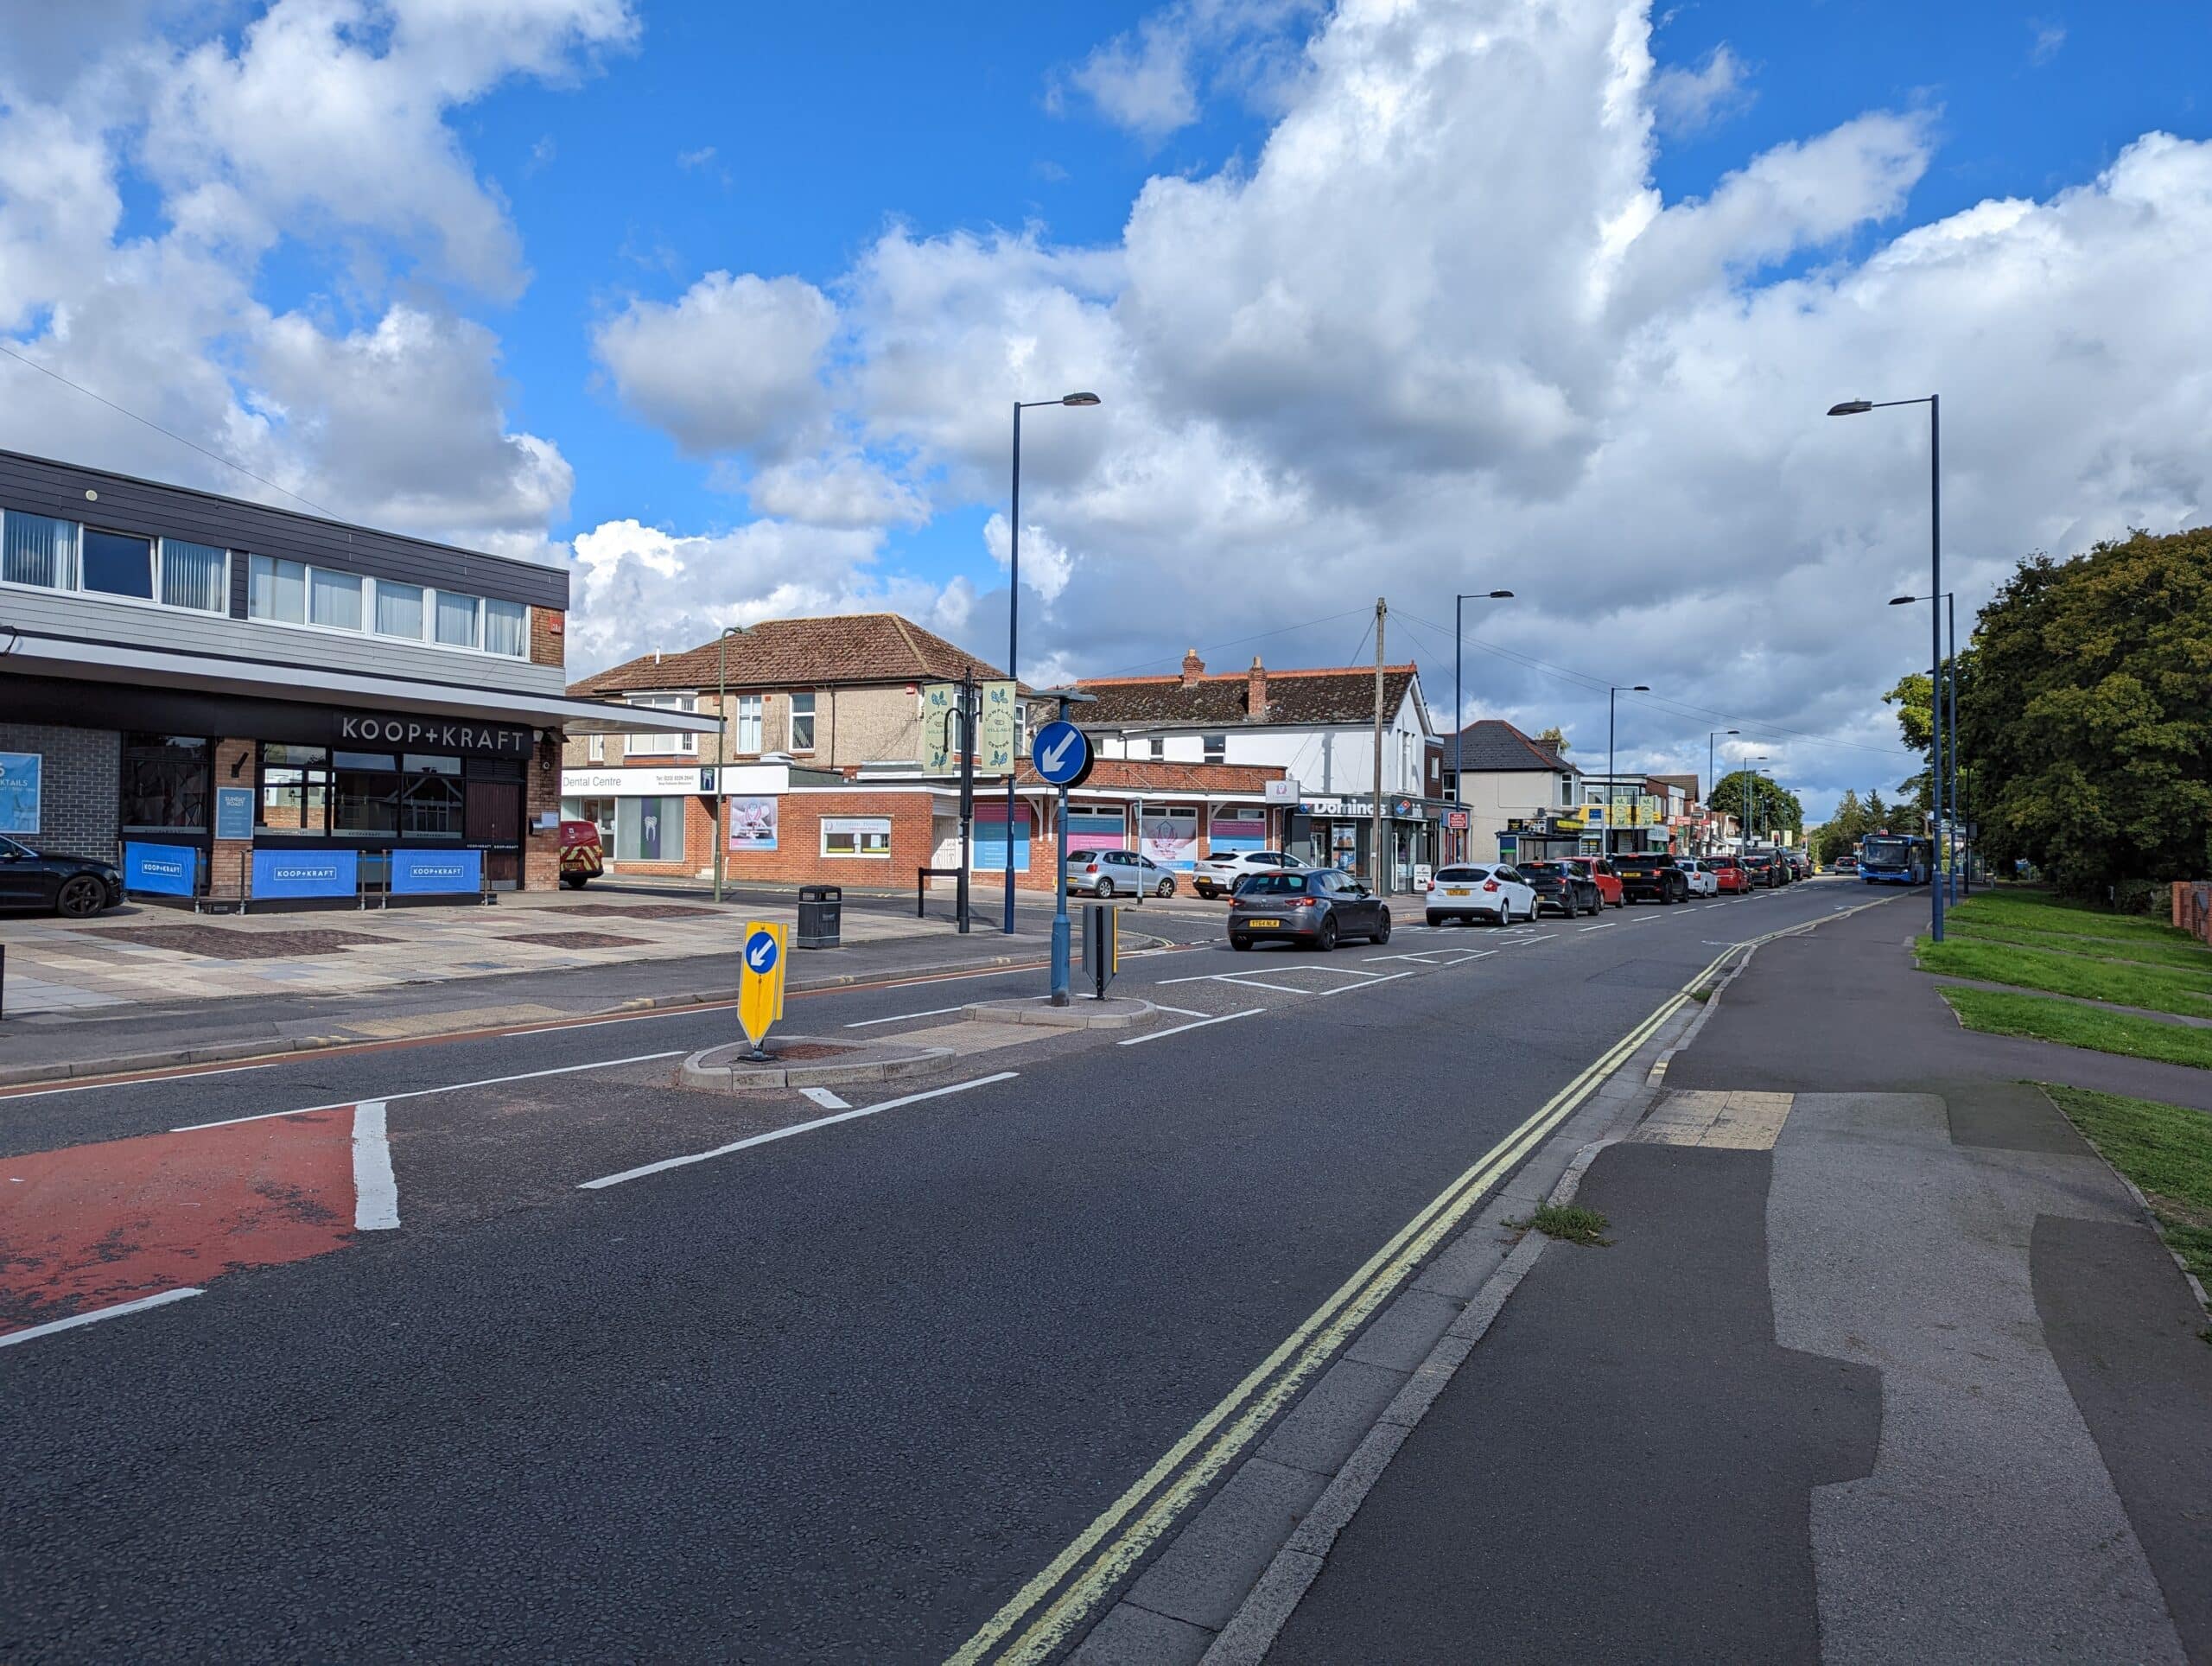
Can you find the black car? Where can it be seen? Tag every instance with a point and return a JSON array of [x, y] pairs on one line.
[[1651, 874], [76, 886], [1319, 905], [1565, 888]]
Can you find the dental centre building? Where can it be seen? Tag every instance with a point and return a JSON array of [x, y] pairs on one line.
[[230, 700]]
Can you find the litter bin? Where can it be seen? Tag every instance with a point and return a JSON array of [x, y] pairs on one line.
[[820, 907]]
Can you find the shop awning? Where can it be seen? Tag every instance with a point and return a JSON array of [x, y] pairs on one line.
[[102, 662]]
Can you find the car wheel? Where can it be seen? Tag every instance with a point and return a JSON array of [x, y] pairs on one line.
[[574, 881], [80, 898], [1240, 943], [1435, 920], [1167, 888], [1104, 888], [1382, 934], [1325, 938]]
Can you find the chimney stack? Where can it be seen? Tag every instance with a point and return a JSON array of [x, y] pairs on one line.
[[1255, 691], [1193, 667]]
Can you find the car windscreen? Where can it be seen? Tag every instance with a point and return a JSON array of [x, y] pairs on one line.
[[1272, 885], [1545, 870], [1462, 876]]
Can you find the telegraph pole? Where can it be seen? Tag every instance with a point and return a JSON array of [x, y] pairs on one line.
[[1382, 613]]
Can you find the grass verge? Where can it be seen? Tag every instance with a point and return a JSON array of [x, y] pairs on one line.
[[2080, 1026], [2185, 956], [2166, 1150], [2160, 989], [1570, 1221], [2075, 919]]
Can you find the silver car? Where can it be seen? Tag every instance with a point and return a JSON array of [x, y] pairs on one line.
[[1118, 874]]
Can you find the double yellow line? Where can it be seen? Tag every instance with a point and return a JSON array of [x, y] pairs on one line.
[[1086, 1574]]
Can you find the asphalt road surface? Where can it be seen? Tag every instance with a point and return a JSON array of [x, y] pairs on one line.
[[837, 1396]]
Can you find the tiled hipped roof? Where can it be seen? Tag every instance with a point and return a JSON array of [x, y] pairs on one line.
[[782, 653], [1294, 699], [1493, 744]]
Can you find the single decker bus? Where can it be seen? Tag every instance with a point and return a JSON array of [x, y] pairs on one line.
[[1895, 859]]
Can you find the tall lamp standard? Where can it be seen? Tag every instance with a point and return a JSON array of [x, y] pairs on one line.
[[1710, 784], [721, 744], [1945, 692], [1014, 611], [1459, 720], [1612, 787], [1858, 408]]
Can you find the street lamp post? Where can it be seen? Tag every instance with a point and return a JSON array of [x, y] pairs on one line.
[[1612, 787], [1014, 613], [721, 744], [1944, 692], [1859, 407], [1459, 710], [1710, 784]]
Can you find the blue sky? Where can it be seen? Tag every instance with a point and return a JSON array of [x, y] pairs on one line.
[[1379, 299]]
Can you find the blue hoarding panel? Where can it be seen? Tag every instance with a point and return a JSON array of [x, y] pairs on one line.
[[165, 870], [436, 873], [305, 873], [20, 773]]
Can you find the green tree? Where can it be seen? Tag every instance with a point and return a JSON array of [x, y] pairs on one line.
[[1877, 813], [2087, 715], [1770, 805], [1915, 700], [1834, 837]]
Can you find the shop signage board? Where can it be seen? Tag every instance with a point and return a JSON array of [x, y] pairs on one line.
[[630, 783], [20, 776], [760, 980], [416, 733], [1456, 820], [306, 872], [1284, 792], [161, 870], [437, 872], [1231, 831], [990, 838], [996, 728], [233, 812]]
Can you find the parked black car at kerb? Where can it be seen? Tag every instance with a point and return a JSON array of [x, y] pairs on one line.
[[1651, 874], [1316, 905], [1564, 888], [76, 886]]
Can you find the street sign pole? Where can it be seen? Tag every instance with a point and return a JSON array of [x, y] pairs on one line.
[[966, 788], [1059, 996], [1061, 755]]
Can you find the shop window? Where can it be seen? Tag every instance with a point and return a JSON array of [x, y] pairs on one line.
[[507, 628], [165, 783], [856, 836], [276, 589], [399, 610], [802, 722], [335, 600], [599, 812], [429, 797], [456, 620], [365, 792], [35, 549], [117, 564], [295, 789], [649, 830]]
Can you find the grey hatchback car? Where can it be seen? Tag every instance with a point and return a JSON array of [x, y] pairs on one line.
[[1316, 905]]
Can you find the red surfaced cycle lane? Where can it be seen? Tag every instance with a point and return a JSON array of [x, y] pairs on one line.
[[89, 1226]]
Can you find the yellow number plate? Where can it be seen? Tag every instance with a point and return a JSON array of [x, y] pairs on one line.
[[1450, 893], [1257, 923]]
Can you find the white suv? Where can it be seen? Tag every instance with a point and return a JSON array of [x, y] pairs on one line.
[[1704, 882], [1219, 876]]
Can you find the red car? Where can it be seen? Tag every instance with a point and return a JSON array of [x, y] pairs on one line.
[[1610, 894], [1729, 872]]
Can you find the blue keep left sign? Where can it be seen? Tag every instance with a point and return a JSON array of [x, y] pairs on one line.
[[760, 952], [1061, 752]]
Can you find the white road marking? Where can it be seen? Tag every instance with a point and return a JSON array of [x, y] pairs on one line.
[[1716, 904], [1158, 1035], [1179, 1012], [1258, 983], [450, 1087], [796, 1128], [114, 1311], [163, 1080], [376, 1192], [1379, 977], [897, 1018], [826, 1099], [1607, 927]]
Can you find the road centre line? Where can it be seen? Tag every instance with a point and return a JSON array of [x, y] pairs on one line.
[[898, 1018], [450, 1087], [376, 1192], [667, 1163], [33, 1332], [1161, 1035], [1607, 927], [1171, 1485]]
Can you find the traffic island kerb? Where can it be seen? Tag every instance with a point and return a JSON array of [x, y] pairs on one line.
[[803, 1061], [1084, 1013]]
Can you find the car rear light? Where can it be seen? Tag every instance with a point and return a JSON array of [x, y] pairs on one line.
[[1490, 885], [1303, 902]]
